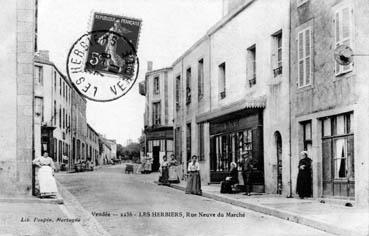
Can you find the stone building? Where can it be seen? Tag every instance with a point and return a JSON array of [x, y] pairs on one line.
[[78, 128], [232, 95], [92, 144], [158, 116], [329, 101], [18, 24], [53, 102]]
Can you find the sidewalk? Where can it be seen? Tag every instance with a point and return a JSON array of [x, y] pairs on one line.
[[31, 216], [332, 218]]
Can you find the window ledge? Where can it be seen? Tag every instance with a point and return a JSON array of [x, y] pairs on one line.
[[304, 88]]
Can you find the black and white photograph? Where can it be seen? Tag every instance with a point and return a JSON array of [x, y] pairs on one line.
[[184, 118]]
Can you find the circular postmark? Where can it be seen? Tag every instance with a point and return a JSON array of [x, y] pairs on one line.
[[102, 65]]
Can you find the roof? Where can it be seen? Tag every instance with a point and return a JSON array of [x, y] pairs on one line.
[[252, 103], [40, 60], [92, 128], [158, 71]]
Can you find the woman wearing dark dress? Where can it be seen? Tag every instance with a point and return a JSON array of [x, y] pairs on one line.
[[304, 177], [233, 176]]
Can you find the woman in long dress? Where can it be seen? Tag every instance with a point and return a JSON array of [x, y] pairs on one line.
[[164, 171], [304, 177], [194, 180], [45, 182]]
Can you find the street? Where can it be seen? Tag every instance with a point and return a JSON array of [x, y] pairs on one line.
[[131, 204]]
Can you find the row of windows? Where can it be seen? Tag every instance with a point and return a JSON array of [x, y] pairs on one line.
[[64, 89], [342, 24], [64, 117], [250, 72], [92, 136]]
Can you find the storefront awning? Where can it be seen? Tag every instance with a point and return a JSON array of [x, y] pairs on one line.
[[245, 104]]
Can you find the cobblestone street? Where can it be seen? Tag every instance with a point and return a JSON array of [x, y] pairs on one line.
[[122, 204]]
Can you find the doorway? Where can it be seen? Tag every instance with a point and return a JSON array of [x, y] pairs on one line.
[[155, 155], [278, 141]]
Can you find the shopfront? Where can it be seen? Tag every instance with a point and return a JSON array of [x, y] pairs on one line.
[[159, 142], [233, 135]]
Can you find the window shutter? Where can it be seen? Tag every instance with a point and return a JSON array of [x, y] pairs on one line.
[[307, 56], [300, 56], [327, 166]]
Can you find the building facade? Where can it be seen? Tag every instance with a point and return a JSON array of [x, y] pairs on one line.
[[53, 99], [16, 97], [78, 128], [158, 116], [93, 146], [330, 101], [231, 90]]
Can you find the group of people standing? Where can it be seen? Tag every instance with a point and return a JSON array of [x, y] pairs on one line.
[[169, 174]]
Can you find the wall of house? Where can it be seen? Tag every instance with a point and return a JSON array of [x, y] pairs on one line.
[[255, 26], [16, 97], [330, 94]]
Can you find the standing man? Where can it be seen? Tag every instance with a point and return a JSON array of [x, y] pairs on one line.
[[246, 167]]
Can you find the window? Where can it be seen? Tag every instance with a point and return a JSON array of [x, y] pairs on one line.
[[277, 54], [251, 65], [229, 147], [156, 113], [222, 80], [337, 130], [54, 81], [304, 44], [156, 85], [60, 118], [188, 86], [54, 118], [39, 75], [60, 151], [200, 78], [201, 141], [343, 34], [60, 86], [188, 141], [307, 136], [178, 92], [63, 118]]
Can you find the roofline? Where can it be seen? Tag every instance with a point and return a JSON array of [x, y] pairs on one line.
[[36, 60], [222, 22], [92, 128], [158, 70]]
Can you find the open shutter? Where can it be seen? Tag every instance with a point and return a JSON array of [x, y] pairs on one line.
[[300, 55], [307, 56]]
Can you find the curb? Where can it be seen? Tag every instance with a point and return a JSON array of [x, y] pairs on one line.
[[285, 215], [88, 225], [59, 200]]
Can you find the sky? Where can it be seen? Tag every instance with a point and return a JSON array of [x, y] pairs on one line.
[[169, 28]]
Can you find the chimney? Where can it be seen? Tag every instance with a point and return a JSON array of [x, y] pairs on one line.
[[149, 66], [44, 54]]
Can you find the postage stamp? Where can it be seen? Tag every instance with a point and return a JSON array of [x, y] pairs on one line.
[[103, 64]]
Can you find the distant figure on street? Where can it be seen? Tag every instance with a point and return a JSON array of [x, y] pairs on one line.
[[194, 180], [45, 182], [304, 178], [173, 170], [246, 168], [164, 173]]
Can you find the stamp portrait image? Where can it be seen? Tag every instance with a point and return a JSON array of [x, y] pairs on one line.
[[103, 64]]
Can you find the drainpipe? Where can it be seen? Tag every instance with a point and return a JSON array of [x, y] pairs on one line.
[[289, 101]]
